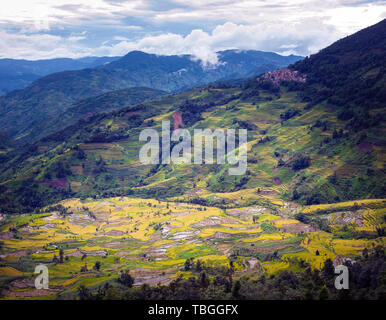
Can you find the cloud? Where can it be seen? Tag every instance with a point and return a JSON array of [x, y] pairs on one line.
[[77, 37], [198, 43], [281, 38], [41, 46], [41, 15], [347, 16], [36, 29]]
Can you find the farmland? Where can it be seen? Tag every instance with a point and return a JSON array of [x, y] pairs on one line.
[[153, 240]]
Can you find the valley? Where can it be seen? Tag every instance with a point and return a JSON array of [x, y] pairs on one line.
[[76, 197], [161, 241]]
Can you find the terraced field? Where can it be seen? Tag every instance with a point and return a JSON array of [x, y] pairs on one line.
[[154, 239], [81, 202]]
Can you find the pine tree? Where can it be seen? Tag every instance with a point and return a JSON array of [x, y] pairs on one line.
[[323, 293], [198, 265], [203, 280], [61, 255], [236, 289], [187, 265], [328, 269]]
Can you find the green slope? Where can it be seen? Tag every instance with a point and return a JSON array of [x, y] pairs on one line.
[[47, 97], [86, 108], [351, 73], [301, 148], [100, 158]]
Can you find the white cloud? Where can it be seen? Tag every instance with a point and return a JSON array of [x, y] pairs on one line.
[[40, 15], [290, 26], [119, 38], [75, 38], [282, 38], [40, 46]]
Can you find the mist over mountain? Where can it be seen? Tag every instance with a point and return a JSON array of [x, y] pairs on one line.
[[22, 110]]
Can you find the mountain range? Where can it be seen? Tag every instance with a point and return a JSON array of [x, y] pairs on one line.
[[308, 142], [75, 196], [18, 74], [47, 97]]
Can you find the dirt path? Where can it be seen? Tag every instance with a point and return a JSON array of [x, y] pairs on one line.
[[153, 280], [249, 266]]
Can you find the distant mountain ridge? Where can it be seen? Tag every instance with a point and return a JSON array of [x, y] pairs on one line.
[[47, 97], [18, 73]]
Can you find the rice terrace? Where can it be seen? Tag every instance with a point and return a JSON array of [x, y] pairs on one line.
[[151, 152], [89, 242]]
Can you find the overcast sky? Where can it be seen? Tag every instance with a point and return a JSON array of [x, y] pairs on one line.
[[40, 29]]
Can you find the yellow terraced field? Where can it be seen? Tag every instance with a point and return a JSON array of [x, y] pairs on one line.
[[154, 239]]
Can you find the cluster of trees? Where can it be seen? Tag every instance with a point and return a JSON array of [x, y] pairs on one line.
[[223, 182], [242, 124], [25, 197], [252, 87], [191, 109], [63, 211], [367, 280], [289, 113], [300, 163]]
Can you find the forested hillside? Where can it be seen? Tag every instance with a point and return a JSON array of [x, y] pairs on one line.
[[24, 110]]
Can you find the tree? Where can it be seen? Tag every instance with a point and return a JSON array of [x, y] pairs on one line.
[[301, 163], [112, 293], [236, 289], [125, 278], [203, 280], [222, 281], [295, 196], [84, 268], [328, 269], [101, 291], [198, 265], [97, 266], [84, 293], [61, 255], [323, 293], [188, 264]]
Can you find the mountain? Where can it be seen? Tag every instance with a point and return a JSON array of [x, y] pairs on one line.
[[49, 96], [312, 196], [350, 73], [86, 108], [18, 74], [301, 148]]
